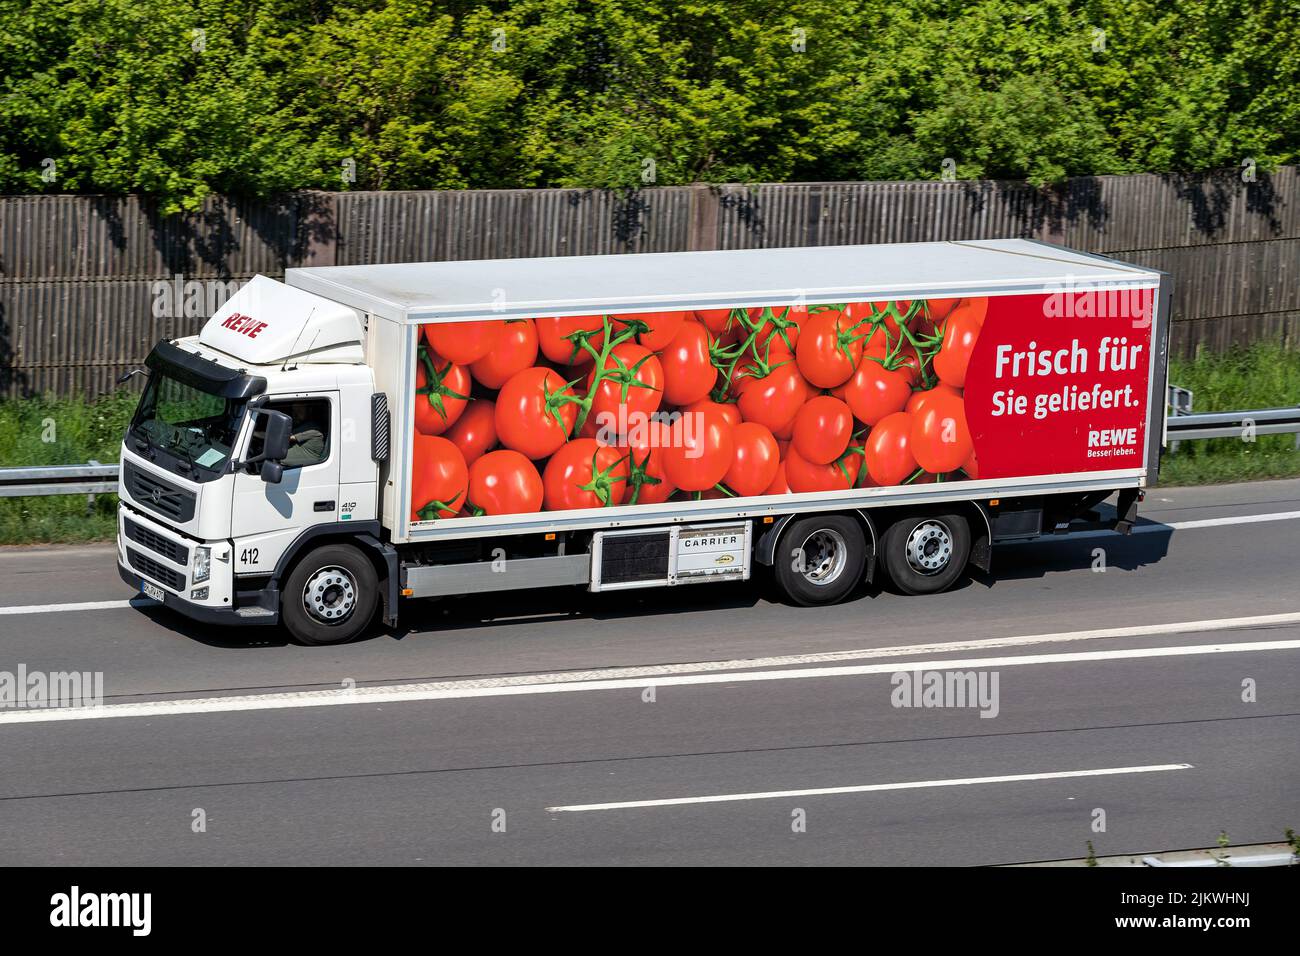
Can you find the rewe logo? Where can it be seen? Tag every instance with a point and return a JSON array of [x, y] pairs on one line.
[[1108, 437], [245, 324], [73, 909]]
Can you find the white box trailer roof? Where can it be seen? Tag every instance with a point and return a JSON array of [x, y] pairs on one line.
[[403, 296], [574, 285]]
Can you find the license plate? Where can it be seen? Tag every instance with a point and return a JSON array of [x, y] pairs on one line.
[[151, 590]]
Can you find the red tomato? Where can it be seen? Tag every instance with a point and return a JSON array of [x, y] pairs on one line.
[[527, 410], [940, 438], [729, 410], [688, 372], [441, 393], [782, 328], [855, 459], [463, 342], [774, 399], [700, 449], [826, 351], [630, 388], [785, 433], [937, 309], [770, 354], [504, 483], [804, 475], [663, 327], [716, 321], [972, 309], [779, 485], [889, 450], [918, 399], [874, 391], [514, 351], [476, 430], [755, 461], [822, 429], [560, 338], [647, 481], [959, 335], [910, 363], [877, 313], [585, 474], [439, 479]]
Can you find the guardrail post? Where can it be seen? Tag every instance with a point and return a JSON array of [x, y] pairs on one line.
[[1180, 403]]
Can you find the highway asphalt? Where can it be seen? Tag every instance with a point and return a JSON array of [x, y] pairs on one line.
[[488, 730]]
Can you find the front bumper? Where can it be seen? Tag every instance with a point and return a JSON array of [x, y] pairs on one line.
[[162, 557], [211, 615]]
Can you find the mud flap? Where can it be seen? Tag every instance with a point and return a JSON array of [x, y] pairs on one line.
[[1127, 509]]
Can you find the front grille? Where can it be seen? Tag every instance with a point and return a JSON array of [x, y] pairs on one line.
[[169, 549], [153, 569], [150, 491]]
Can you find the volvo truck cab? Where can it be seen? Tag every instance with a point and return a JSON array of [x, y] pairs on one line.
[[251, 440]]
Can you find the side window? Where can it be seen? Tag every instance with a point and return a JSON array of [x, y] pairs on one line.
[[309, 443]]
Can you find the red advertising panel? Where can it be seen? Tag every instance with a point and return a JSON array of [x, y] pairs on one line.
[[599, 411]]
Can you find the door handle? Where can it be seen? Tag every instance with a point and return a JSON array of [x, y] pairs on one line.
[[323, 506]]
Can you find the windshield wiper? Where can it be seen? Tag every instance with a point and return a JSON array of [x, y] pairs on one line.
[[188, 464]]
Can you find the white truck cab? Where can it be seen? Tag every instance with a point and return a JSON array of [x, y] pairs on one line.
[[207, 518]]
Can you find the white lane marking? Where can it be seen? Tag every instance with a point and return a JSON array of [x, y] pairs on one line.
[[497, 687], [83, 606], [1236, 519], [870, 788], [1179, 525]]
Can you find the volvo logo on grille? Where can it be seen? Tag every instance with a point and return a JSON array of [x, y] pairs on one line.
[[156, 495]]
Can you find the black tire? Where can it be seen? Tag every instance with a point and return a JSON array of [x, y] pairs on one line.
[[819, 560], [926, 553], [330, 596]]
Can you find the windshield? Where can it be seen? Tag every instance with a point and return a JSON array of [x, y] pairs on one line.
[[196, 427]]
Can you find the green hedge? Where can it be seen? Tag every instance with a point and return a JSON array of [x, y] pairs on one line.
[[181, 98]]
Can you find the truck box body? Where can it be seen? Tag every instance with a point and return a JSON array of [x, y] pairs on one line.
[[308, 457], [1041, 298]]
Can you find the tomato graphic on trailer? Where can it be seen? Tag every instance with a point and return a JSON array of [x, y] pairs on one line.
[[626, 410]]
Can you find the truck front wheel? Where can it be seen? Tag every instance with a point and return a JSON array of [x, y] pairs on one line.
[[330, 596], [925, 554]]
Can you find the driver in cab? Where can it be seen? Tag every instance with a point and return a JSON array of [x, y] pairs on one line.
[[307, 442]]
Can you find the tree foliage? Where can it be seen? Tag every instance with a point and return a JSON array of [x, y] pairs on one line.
[[180, 98]]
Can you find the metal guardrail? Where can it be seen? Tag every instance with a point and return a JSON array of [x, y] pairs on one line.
[[1262, 421], [89, 479]]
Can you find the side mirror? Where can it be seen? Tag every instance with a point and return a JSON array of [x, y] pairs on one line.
[[272, 472], [279, 427]]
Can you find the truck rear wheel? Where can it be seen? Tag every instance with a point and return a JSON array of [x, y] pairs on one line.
[[820, 560], [925, 554], [330, 596]]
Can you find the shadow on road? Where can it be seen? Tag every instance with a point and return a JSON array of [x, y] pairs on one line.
[[229, 638], [1037, 558], [524, 608], [534, 607]]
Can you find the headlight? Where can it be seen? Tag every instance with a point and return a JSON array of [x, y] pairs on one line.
[[202, 564]]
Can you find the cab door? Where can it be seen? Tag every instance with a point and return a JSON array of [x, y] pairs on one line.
[[266, 518]]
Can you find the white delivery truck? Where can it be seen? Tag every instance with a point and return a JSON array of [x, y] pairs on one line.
[[356, 435]]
